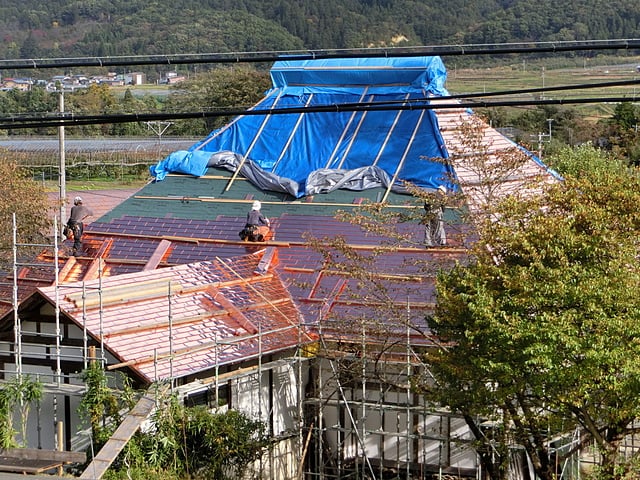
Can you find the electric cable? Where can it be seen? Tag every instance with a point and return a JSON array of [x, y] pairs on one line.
[[275, 55], [71, 120], [23, 121]]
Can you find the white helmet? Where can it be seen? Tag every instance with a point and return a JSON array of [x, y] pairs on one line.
[[256, 205], [442, 188], [77, 201]]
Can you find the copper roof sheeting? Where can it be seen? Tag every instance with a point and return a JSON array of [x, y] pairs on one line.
[[505, 170], [185, 319]]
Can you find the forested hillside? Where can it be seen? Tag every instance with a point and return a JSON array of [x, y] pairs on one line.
[[61, 28]]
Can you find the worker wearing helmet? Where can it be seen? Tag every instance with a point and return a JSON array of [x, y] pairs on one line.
[[257, 226], [76, 222]]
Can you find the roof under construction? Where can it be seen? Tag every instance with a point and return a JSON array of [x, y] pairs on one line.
[[169, 257], [312, 148], [180, 320]]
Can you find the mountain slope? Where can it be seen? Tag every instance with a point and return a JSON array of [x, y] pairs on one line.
[[34, 29]]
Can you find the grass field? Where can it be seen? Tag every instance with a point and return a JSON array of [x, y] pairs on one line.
[[524, 75]]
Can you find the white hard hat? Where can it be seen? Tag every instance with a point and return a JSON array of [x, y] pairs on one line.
[[256, 205], [442, 188], [77, 200]]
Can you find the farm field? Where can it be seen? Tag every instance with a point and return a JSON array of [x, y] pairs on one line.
[[524, 76]]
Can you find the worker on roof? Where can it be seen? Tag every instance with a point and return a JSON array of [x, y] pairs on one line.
[[434, 233], [257, 227], [79, 213]]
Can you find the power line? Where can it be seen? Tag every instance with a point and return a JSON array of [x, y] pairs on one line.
[[70, 120], [21, 121], [271, 56]]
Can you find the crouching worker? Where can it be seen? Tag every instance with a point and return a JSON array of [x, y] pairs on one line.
[[257, 227], [76, 222]]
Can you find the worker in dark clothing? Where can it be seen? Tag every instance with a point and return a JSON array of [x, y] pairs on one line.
[[76, 222], [257, 227], [434, 234]]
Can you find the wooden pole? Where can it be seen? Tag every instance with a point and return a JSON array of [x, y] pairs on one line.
[[60, 433]]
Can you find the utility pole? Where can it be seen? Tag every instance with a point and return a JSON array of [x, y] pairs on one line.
[[62, 176], [159, 127], [541, 136]]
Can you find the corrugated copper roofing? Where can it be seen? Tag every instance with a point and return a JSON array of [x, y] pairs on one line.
[[185, 319]]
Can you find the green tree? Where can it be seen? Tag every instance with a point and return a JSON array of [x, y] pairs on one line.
[[25, 198], [102, 404], [625, 115], [95, 100], [191, 442], [239, 87], [208, 445], [19, 394], [542, 324]]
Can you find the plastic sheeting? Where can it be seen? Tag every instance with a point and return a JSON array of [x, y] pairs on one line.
[[312, 152]]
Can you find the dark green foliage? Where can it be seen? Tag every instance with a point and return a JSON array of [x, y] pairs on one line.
[[116, 27], [541, 327], [192, 442], [36, 100], [183, 442], [19, 394], [626, 115], [239, 87], [102, 403]]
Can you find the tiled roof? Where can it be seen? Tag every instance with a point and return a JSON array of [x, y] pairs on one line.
[[505, 170]]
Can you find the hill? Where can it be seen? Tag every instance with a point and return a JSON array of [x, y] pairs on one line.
[[61, 28]]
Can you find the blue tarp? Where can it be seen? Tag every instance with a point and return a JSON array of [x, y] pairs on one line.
[[312, 152]]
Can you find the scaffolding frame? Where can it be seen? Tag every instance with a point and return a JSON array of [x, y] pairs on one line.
[[350, 455]]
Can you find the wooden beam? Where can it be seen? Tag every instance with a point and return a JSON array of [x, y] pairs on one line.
[[207, 177], [157, 255], [384, 276], [123, 293], [238, 316], [66, 268], [267, 259], [108, 453], [444, 250], [414, 305], [267, 202], [186, 320], [95, 267], [164, 324], [220, 343], [187, 239], [47, 455]]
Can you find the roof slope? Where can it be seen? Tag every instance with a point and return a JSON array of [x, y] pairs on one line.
[[185, 319], [186, 224], [304, 152]]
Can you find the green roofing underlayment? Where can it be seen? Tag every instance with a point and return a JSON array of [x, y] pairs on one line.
[[204, 198]]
